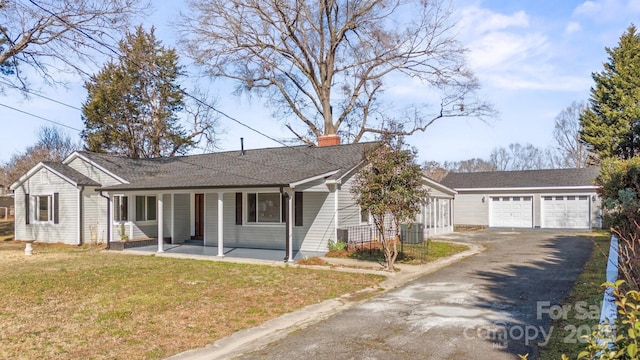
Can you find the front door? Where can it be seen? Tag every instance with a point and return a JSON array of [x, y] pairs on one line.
[[199, 217]]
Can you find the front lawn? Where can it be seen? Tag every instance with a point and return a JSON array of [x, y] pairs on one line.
[[80, 302]]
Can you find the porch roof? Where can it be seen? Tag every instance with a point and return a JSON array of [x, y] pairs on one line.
[[268, 167]]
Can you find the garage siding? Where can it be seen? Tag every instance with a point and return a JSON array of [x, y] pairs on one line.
[[470, 210]]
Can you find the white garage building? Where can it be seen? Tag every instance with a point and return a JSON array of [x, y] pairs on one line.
[[552, 199]]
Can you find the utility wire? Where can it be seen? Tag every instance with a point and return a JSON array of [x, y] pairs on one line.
[[36, 93], [196, 99], [41, 118]]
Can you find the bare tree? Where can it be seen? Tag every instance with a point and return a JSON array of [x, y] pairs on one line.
[[327, 63], [518, 157], [53, 145], [53, 35], [470, 165], [573, 150], [434, 170]]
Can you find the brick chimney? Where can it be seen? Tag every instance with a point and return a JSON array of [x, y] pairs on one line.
[[328, 140]]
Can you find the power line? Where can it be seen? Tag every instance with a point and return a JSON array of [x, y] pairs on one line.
[[41, 118], [32, 92], [196, 99]]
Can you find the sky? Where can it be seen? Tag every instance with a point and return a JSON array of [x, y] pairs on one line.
[[532, 58]]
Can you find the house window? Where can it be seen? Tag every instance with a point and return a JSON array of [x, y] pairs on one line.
[[44, 211], [364, 216], [264, 208], [120, 208], [145, 208]]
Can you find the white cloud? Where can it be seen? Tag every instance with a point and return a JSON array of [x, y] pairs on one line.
[[500, 50], [607, 10], [513, 51], [482, 20], [572, 27]]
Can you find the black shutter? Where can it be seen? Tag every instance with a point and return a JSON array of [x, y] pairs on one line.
[[55, 207], [27, 205], [298, 207], [283, 208], [238, 208]]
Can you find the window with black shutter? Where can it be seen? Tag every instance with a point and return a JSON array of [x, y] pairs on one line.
[[298, 208]]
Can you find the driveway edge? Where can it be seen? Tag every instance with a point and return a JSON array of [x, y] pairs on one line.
[[257, 337]]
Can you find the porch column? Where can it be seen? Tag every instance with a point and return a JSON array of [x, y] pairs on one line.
[[159, 216], [336, 211], [290, 220], [220, 222], [110, 218]]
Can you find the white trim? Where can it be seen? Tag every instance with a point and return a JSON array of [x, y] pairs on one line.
[[589, 200], [339, 180], [547, 188], [220, 224], [159, 216], [438, 186], [290, 200], [76, 154], [336, 209], [39, 166], [313, 178], [533, 208], [36, 208], [80, 224], [245, 206]]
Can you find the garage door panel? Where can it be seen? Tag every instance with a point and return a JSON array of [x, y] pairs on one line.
[[568, 211], [511, 211]]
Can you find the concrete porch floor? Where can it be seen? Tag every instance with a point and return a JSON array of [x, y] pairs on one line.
[[229, 252]]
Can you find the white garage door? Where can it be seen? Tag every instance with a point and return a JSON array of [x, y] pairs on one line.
[[565, 212], [511, 211]]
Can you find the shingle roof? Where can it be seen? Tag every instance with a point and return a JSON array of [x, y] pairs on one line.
[[70, 173], [522, 179], [260, 167]]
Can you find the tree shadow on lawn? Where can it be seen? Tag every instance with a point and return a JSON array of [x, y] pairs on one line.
[[532, 292]]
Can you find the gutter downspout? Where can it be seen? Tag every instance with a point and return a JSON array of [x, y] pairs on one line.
[[80, 213], [108, 219]]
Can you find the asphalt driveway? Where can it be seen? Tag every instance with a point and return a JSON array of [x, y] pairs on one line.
[[493, 305]]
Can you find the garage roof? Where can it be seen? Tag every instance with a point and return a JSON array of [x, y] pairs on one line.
[[555, 178]]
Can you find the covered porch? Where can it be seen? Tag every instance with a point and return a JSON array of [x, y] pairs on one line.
[[228, 252], [237, 222]]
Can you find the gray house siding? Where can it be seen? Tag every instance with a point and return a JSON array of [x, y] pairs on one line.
[[94, 221], [181, 217], [318, 222], [44, 182], [93, 172], [348, 209], [471, 210]]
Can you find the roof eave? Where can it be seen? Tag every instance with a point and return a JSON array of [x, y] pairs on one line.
[[536, 188]]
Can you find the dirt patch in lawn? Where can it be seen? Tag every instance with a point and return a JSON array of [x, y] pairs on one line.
[[80, 302]]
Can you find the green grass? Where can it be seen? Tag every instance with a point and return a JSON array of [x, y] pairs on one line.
[[79, 302], [587, 289]]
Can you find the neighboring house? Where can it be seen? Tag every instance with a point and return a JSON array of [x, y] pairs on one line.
[[276, 198], [561, 198]]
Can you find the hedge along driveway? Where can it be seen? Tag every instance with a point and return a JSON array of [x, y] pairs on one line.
[[81, 303]]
